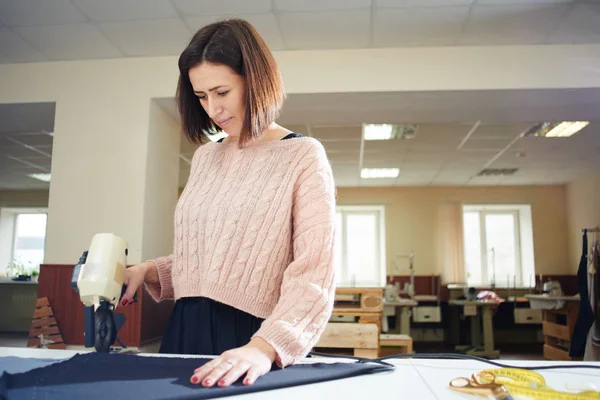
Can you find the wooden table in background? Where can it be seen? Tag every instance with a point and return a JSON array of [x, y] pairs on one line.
[[557, 323], [487, 350], [402, 314]]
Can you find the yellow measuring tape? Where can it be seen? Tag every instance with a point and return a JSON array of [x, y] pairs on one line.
[[526, 383]]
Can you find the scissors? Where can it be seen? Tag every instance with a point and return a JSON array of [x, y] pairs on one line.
[[483, 384]]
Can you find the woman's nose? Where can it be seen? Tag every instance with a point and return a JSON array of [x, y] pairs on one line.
[[213, 109]]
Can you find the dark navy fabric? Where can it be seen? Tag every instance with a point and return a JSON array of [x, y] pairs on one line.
[[115, 376], [586, 316], [13, 365], [199, 325]]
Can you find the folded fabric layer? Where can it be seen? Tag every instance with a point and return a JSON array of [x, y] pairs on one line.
[[117, 376], [13, 364]]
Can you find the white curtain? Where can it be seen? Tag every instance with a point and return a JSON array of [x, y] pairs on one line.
[[450, 249]]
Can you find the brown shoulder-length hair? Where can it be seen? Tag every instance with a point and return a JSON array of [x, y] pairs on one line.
[[237, 44]]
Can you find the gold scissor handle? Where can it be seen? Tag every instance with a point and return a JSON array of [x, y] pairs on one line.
[[461, 382], [485, 378], [481, 383]]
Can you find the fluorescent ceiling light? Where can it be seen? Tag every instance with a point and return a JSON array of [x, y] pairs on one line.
[[378, 132], [40, 177], [566, 129], [557, 129], [388, 131], [373, 173]]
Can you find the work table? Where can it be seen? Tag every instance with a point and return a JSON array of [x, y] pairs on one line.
[[424, 379]]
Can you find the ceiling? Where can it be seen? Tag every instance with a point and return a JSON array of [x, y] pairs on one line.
[[47, 30], [459, 134], [25, 144]]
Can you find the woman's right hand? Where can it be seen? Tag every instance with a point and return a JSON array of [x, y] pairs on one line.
[[134, 278]]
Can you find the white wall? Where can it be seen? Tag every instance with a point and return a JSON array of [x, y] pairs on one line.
[[7, 229], [162, 183], [24, 198], [440, 68], [321, 71], [583, 209]]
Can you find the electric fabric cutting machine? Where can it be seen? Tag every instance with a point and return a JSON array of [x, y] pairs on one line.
[[98, 279]]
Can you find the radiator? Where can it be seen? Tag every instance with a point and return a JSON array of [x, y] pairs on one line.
[[18, 302]]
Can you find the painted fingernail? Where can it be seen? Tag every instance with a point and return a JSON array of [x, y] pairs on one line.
[[246, 381], [222, 382], [130, 301], [194, 379], [208, 382], [124, 302]]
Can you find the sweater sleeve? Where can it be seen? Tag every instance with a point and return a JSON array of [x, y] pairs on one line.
[[163, 289], [308, 285]]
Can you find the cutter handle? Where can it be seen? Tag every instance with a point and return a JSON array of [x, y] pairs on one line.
[[124, 289]]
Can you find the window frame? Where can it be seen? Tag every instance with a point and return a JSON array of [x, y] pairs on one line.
[[518, 214], [15, 236], [485, 267], [379, 212], [10, 243]]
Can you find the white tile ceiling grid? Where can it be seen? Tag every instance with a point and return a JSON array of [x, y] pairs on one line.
[[25, 144], [435, 156], [46, 30], [449, 153]]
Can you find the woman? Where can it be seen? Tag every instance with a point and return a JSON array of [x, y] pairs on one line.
[[252, 265]]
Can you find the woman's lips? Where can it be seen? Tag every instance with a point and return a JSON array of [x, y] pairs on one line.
[[224, 122]]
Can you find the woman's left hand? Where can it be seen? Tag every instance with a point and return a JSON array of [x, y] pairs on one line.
[[254, 360]]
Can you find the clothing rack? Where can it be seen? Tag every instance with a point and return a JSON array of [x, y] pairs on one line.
[[591, 230]]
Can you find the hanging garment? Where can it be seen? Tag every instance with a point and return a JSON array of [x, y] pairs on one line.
[[117, 376], [595, 300], [592, 346], [585, 318]]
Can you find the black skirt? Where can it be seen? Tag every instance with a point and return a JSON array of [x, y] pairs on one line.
[[199, 325]]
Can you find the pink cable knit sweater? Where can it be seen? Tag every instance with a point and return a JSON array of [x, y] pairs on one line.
[[254, 229]]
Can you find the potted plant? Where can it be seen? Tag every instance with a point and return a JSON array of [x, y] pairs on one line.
[[35, 275], [18, 271]]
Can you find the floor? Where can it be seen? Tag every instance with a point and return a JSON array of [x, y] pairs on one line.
[[20, 340], [506, 352]]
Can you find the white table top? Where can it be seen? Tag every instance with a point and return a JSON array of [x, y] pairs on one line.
[[422, 379], [552, 298], [401, 303], [479, 303]]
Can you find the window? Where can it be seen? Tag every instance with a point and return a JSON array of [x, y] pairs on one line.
[[30, 235], [22, 237], [360, 246], [498, 242]]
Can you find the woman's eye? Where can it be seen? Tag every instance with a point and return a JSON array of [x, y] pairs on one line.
[[202, 97], [222, 93]]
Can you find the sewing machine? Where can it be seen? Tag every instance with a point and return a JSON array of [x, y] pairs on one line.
[[552, 288], [98, 279]]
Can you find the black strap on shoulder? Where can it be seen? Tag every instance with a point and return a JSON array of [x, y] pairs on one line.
[[290, 136]]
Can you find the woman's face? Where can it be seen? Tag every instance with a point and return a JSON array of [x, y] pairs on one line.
[[222, 94]]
